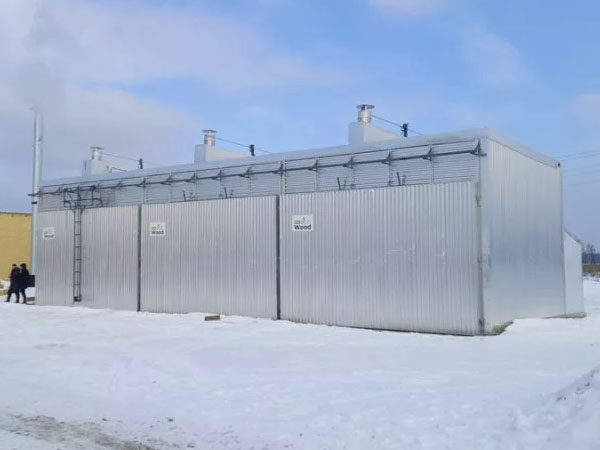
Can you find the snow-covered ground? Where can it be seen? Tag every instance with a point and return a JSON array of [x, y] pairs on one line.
[[72, 378]]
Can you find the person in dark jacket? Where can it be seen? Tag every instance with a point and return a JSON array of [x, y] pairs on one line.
[[23, 282], [13, 289]]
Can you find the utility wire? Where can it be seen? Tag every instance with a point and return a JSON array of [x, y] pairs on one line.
[[118, 156], [578, 155], [583, 183], [395, 123], [592, 170], [242, 145], [582, 179], [127, 158]]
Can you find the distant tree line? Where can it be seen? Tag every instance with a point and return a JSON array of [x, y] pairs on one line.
[[589, 255]]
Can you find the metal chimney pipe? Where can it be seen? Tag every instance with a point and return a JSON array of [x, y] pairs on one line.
[[96, 153], [209, 137], [364, 113], [38, 136]]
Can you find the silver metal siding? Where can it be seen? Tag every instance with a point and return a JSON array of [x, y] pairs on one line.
[[265, 183], [412, 171], [255, 179], [522, 237], [206, 189], [50, 202], [402, 258], [129, 196], [216, 257], [455, 168], [372, 175], [110, 258], [304, 180], [54, 265], [573, 275], [235, 186], [334, 178]]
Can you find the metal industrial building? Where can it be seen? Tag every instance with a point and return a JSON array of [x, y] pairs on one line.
[[452, 233]]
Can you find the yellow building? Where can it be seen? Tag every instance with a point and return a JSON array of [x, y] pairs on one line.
[[15, 241]]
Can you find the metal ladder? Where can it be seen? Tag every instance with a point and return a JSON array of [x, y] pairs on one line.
[[77, 254], [77, 203]]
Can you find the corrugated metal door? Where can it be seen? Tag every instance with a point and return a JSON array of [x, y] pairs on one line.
[[214, 256], [402, 258], [573, 276], [54, 265], [109, 254]]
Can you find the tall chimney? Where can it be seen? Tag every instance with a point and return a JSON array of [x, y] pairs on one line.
[[364, 113], [38, 136], [209, 137]]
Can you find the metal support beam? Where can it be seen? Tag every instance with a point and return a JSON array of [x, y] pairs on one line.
[[278, 255]]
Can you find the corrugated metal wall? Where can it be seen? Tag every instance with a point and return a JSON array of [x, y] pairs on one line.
[[573, 275], [402, 258], [54, 265], [395, 242], [522, 237], [215, 257], [110, 258]]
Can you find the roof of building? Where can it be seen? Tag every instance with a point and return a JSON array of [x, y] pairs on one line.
[[400, 143], [13, 213]]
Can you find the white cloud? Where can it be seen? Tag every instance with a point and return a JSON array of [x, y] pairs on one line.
[[409, 7], [133, 42], [587, 108], [76, 59], [495, 61]]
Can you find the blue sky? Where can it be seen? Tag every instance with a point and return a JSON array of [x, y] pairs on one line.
[[144, 78]]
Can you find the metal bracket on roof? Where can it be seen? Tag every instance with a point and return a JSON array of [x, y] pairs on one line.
[[219, 176], [350, 163], [246, 174], [192, 179], [388, 159], [429, 156], [279, 170], [315, 166], [169, 180], [477, 150]]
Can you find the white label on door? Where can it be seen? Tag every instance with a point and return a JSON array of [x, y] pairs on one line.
[[302, 223], [48, 233], [157, 229]]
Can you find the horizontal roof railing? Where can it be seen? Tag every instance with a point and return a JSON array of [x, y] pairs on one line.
[[315, 163]]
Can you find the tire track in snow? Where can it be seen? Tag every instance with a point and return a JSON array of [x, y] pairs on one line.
[[75, 436]]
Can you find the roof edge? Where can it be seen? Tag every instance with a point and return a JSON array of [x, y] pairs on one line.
[[401, 142]]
